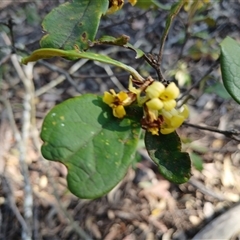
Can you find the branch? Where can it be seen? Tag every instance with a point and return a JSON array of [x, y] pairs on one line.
[[214, 65], [229, 134], [173, 13], [23, 137]]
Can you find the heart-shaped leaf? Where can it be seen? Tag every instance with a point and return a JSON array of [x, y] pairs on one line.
[[230, 67], [73, 24], [165, 151], [96, 147]]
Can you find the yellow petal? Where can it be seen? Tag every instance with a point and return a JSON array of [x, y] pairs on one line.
[[133, 2], [166, 114], [153, 130], [155, 90], [154, 104], [122, 96], [167, 130], [176, 121], [115, 5], [153, 115], [185, 111], [171, 92], [108, 98], [119, 111], [169, 105]]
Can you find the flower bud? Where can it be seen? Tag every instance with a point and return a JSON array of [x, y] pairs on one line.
[[169, 105], [155, 90], [171, 92], [154, 104]]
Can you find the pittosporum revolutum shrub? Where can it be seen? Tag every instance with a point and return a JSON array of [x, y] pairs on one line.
[[96, 137]]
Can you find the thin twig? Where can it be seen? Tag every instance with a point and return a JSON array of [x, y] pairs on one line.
[[60, 78], [229, 134], [198, 185], [109, 71], [24, 137], [61, 71], [12, 203], [172, 15], [212, 67]]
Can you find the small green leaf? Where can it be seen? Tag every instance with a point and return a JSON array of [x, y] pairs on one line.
[[230, 67], [73, 23], [219, 90], [120, 41], [165, 151], [197, 161], [96, 147], [151, 3]]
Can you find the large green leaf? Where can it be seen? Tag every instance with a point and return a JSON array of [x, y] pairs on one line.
[[73, 24], [230, 67], [96, 147], [165, 151]]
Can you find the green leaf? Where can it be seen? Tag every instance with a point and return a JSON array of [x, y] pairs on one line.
[[219, 90], [151, 3], [73, 54], [165, 151], [230, 67], [96, 147], [120, 41], [197, 161], [73, 24]]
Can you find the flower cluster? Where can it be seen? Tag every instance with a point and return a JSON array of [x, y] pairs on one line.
[[115, 5], [158, 102]]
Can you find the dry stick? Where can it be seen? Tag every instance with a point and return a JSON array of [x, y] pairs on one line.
[[214, 65], [61, 71], [11, 200], [169, 21], [60, 79], [27, 108], [230, 134], [18, 138], [111, 75], [207, 191]]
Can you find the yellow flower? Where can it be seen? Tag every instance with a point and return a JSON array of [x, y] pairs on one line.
[[117, 102], [161, 96], [154, 90], [173, 119], [114, 5]]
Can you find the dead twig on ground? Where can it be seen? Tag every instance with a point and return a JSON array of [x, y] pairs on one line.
[[22, 140]]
